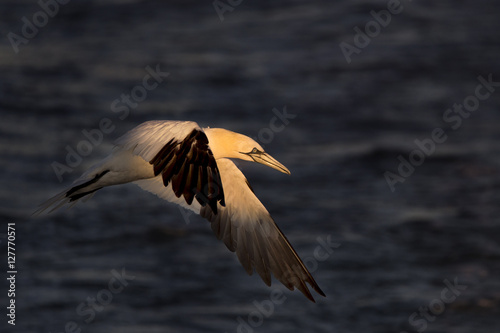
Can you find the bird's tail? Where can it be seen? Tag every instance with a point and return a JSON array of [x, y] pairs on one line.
[[83, 189]]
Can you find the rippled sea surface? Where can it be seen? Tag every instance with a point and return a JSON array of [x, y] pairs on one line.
[[397, 251]]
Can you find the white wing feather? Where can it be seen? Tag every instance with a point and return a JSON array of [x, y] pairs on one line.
[[247, 228], [155, 186], [147, 139]]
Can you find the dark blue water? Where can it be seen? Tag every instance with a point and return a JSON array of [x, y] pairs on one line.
[[349, 127]]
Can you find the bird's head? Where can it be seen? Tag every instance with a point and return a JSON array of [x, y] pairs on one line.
[[257, 154], [234, 145]]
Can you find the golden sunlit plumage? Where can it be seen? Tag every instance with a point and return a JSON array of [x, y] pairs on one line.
[[190, 166]]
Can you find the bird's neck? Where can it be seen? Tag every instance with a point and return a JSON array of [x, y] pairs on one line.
[[223, 143]]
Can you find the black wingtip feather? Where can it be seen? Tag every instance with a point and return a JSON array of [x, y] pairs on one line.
[[189, 165]]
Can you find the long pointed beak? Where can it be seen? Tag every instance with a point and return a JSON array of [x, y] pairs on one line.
[[266, 159]]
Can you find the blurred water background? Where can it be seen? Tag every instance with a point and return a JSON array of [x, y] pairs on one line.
[[348, 124]]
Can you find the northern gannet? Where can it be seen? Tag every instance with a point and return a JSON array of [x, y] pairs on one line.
[[191, 166]]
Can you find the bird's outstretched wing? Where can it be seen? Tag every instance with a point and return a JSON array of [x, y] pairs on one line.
[[180, 155], [179, 152], [247, 228]]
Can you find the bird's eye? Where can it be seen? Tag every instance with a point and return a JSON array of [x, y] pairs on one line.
[[255, 151]]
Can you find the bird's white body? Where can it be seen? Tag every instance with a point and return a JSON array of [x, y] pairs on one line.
[[192, 167]]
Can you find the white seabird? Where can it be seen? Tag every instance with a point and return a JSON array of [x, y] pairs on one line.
[[188, 165]]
